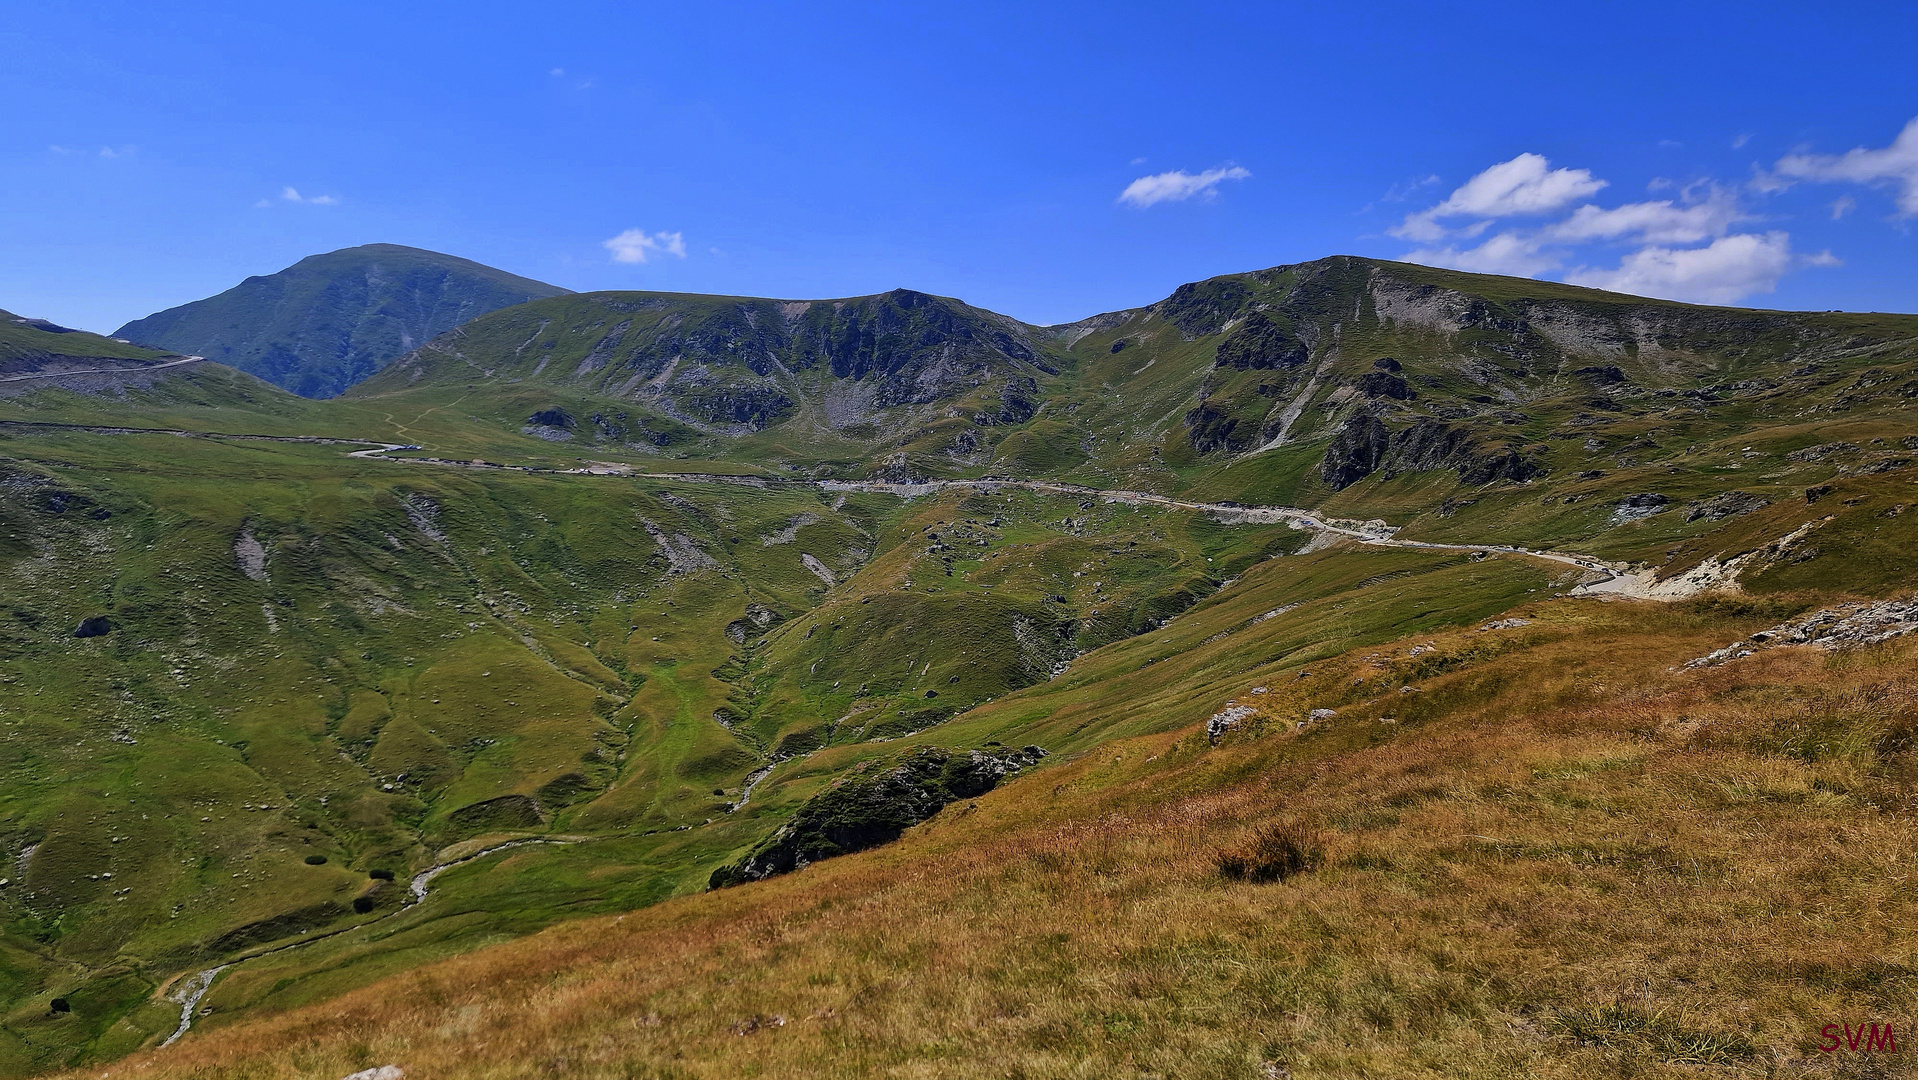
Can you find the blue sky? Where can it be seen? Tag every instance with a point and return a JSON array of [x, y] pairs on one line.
[[1045, 160]]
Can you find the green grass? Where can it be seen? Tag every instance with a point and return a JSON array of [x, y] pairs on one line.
[[431, 658]]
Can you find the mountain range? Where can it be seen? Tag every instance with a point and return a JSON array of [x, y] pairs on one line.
[[1348, 666]]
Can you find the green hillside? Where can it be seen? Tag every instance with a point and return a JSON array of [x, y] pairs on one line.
[[664, 589], [328, 321], [798, 382], [31, 346]]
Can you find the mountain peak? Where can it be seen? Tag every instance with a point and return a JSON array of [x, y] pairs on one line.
[[332, 319]]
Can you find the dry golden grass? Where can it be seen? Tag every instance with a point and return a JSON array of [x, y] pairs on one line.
[[1587, 864]]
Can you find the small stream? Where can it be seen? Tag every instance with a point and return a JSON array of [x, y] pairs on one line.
[[194, 988]]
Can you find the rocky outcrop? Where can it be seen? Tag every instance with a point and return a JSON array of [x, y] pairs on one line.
[[867, 810], [730, 362], [1211, 428], [1385, 384], [1847, 626], [1642, 505], [1729, 504], [1261, 344], [1204, 307], [1427, 445], [1507, 464], [1362, 445], [753, 406], [1018, 403], [1358, 446]]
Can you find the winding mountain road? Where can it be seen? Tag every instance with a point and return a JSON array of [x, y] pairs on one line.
[[103, 371], [1618, 580], [189, 990]]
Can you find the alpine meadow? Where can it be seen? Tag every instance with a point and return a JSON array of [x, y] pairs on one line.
[[1493, 656]]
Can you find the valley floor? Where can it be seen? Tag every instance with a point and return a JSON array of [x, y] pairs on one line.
[[1545, 849]]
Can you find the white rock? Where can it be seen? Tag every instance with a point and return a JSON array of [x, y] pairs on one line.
[[384, 1072]]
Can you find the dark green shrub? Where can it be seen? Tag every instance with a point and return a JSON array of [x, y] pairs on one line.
[[316, 860], [380, 875], [362, 904]]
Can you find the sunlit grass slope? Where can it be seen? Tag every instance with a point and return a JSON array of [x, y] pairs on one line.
[[1542, 851]]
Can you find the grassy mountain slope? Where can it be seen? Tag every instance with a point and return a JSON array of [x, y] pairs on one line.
[[35, 346], [328, 321], [1449, 403], [316, 666], [651, 373], [1530, 866]]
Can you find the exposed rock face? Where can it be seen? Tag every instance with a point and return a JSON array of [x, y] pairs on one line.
[[866, 811], [1642, 505], [1259, 343], [1358, 446], [743, 363], [1729, 504], [1822, 451], [1363, 444], [1384, 384], [1204, 307], [897, 469], [1847, 626], [250, 554], [1427, 445], [554, 425], [1508, 464], [1018, 403], [94, 626], [1211, 428]]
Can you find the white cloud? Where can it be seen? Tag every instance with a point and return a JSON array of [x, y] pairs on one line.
[[1525, 185], [1179, 185], [1842, 205], [637, 245], [557, 73], [1725, 271], [1739, 141], [1661, 222], [1895, 165], [1505, 253], [292, 195]]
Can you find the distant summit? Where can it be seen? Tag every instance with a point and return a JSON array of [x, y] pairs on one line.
[[328, 321]]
